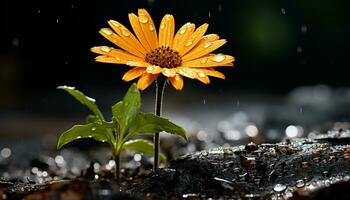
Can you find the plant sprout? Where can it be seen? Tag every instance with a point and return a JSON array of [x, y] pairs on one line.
[[127, 121], [186, 53]]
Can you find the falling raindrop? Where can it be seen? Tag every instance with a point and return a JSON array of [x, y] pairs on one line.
[[204, 101], [219, 8], [299, 50], [209, 14], [39, 11], [303, 28], [150, 2], [301, 110], [283, 11], [57, 20], [15, 42]]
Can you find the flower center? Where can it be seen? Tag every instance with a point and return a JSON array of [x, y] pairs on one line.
[[164, 57]]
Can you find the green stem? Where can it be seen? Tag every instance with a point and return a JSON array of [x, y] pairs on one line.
[[160, 87], [117, 167]]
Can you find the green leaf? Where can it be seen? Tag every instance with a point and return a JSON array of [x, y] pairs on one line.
[[126, 111], [83, 99], [93, 130], [93, 119], [147, 123], [143, 146]]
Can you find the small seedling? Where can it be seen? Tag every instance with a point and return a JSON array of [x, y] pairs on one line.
[[127, 121]]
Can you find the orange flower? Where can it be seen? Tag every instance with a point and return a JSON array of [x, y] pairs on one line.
[[186, 53]]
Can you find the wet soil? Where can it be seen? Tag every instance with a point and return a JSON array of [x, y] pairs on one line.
[[316, 168]]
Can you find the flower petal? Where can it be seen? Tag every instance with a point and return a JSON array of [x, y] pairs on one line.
[[134, 73], [169, 72], [107, 59], [214, 73], [193, 40], [177, 81], [117, 53], [117, 40], [146, 80], [214, 60], [202, 77], [187, 72], [182, 34], [154, 69], [203, 48], [135, 24], [166, 31], [148, 29], [127, 36]]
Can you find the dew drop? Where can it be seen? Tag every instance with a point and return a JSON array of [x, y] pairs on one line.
[[143, 19], [207, 45], [279, 187], [107, 31], [202, 74], [188, 43], [182, 31], [150, 69], [125, 33], [204, 60], [219, 58], [105, 49]]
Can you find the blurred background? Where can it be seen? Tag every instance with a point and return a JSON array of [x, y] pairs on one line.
[[289, 78]]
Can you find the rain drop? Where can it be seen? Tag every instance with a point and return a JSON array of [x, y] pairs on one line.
[[188, 43], [105, 49], [107, 31], [151, 28], [182, 31], [219, 58], [219, 8], [125, 33], [204, 60], [202, 74], [299, 50], [279, 187], [300, 183], [15, 42], [143, 19], [303, 28], [5, 152], [207, 45], [283, 11]]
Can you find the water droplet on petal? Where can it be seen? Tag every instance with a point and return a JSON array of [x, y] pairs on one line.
[[162, 26], [204, 60], [279, 187], [202, 74], [188, 43], [151, 28], [143, 19], [219, 58], [182, 31], [207, 45], [117, 58], [125, 32], [107, 31], [150, 69], [105, 49]]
